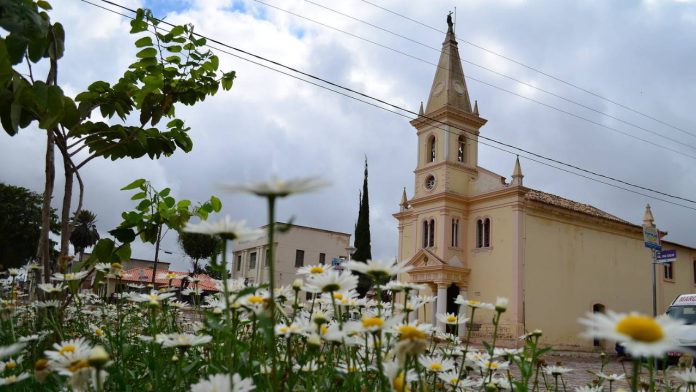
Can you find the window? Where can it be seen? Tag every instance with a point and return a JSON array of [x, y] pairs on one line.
[[483, 233], [322, 258], [425, 234], [455, 232], [268, 257], [669, 271], [431, 233], [460, 149], [299, 258], [252, 260], [694, 265], [431, 149], [239, 262]]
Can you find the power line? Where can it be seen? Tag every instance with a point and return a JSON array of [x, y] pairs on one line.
[[623, 106], [432, 120], [553, 94], [613, 129]]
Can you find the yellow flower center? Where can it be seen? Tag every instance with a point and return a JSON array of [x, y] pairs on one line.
[[153, 297], [98, 332], [338, 296], [454, 380], [69, 276], [171, 276], [371, 322], [116, 266], [283, 330], [473, 302], [324, 329], [398, 383], [640, 328], [316, 270], [436, 367], [11, 365], [255, 299], [411, 332], [492, 365], [69, 348], [451, 319], [10, 379]]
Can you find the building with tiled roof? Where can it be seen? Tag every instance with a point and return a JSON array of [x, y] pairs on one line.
[[468, 231]]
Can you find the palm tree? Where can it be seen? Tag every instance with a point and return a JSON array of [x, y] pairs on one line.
[[84, 231]]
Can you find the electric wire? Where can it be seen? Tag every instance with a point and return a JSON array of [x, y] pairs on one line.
[[548, 75], [530, 153], [553, 94], [613, 129]]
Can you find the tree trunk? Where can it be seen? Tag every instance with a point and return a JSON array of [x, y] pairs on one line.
[[157, 248], [44, 247], [65, 226]]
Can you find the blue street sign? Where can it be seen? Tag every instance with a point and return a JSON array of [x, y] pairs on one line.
[[666, 256], [651, 238]]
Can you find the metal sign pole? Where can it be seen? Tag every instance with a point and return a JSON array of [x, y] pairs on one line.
[[654, 282]]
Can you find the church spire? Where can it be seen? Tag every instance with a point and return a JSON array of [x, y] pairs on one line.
[[404, 201], [517, 174], [648, 219], [449, 86]]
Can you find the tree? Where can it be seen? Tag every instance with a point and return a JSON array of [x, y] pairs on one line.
[[213, 272], [156, 210], [84, 231], [171, 68], [363, 247], [20, 225], [197, 247]]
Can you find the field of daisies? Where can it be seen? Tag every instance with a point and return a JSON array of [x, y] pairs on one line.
[[66, 336]]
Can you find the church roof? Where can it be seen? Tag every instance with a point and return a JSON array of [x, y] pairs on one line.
[[557, 201]]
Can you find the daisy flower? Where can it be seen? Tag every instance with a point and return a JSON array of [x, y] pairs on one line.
[[397, 286], [556, 370], [412, 330], [492, 365], [102, 267], [501, 304], [378, 269], [51, 288], [472, 303], [69, 356], [182, 339], [619, 377], [451, 318], [169, 275], [278, 188], [688, 376], [586, 388], [222, 383], [12, 349], [313, 269], [333, 280], [436, 364], [225, 228], [69, 276], [641, 335], [307, 367], [13, 379], [397, 380], [452, 378], [154, 298]]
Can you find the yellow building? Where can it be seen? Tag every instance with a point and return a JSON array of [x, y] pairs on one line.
[[469, 231]]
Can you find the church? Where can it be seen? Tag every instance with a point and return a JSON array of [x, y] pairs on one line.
[[468, 231]]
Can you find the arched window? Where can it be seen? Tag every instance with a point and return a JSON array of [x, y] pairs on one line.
[[425, 234], [431, 233], [455, 232], [460, 148], [486, 233], [431, 149], [483, 233], [597, 308]]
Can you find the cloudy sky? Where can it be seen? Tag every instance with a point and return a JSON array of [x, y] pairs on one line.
[[638, 54]]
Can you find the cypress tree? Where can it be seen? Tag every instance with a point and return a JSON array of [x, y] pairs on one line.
[[363, 248]]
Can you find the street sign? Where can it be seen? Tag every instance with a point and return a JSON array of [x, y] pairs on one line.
[[651, 238], [666, 256]]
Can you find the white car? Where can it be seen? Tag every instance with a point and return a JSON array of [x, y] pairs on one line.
[[684, 308]]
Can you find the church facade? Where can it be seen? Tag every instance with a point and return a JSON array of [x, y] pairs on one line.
[[468, 231]]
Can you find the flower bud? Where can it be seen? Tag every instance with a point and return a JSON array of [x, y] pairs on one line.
[[501, 304], [98, 357], [297, 285]]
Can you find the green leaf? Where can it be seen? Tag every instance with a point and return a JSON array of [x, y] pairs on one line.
[[144, 41], [227, 80], [177, 30], [16, 47], [56, 48], [44, 5], [124, 252], [217, 205], [135, 184], [122, 235], [165, 192], [174, 48], [103, 249], [169, 201], [147, 53], [138, 26], [138, 196]]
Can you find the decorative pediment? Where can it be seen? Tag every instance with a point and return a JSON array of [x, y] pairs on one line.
[[425, 258]]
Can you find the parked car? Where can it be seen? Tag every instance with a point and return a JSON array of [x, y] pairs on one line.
[[684, 308]]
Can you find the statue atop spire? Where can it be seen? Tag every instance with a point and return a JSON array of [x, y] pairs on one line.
[[449, 85]]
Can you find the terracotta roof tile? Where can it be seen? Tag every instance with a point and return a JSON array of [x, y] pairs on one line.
[[548, 198], [144, 275]]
